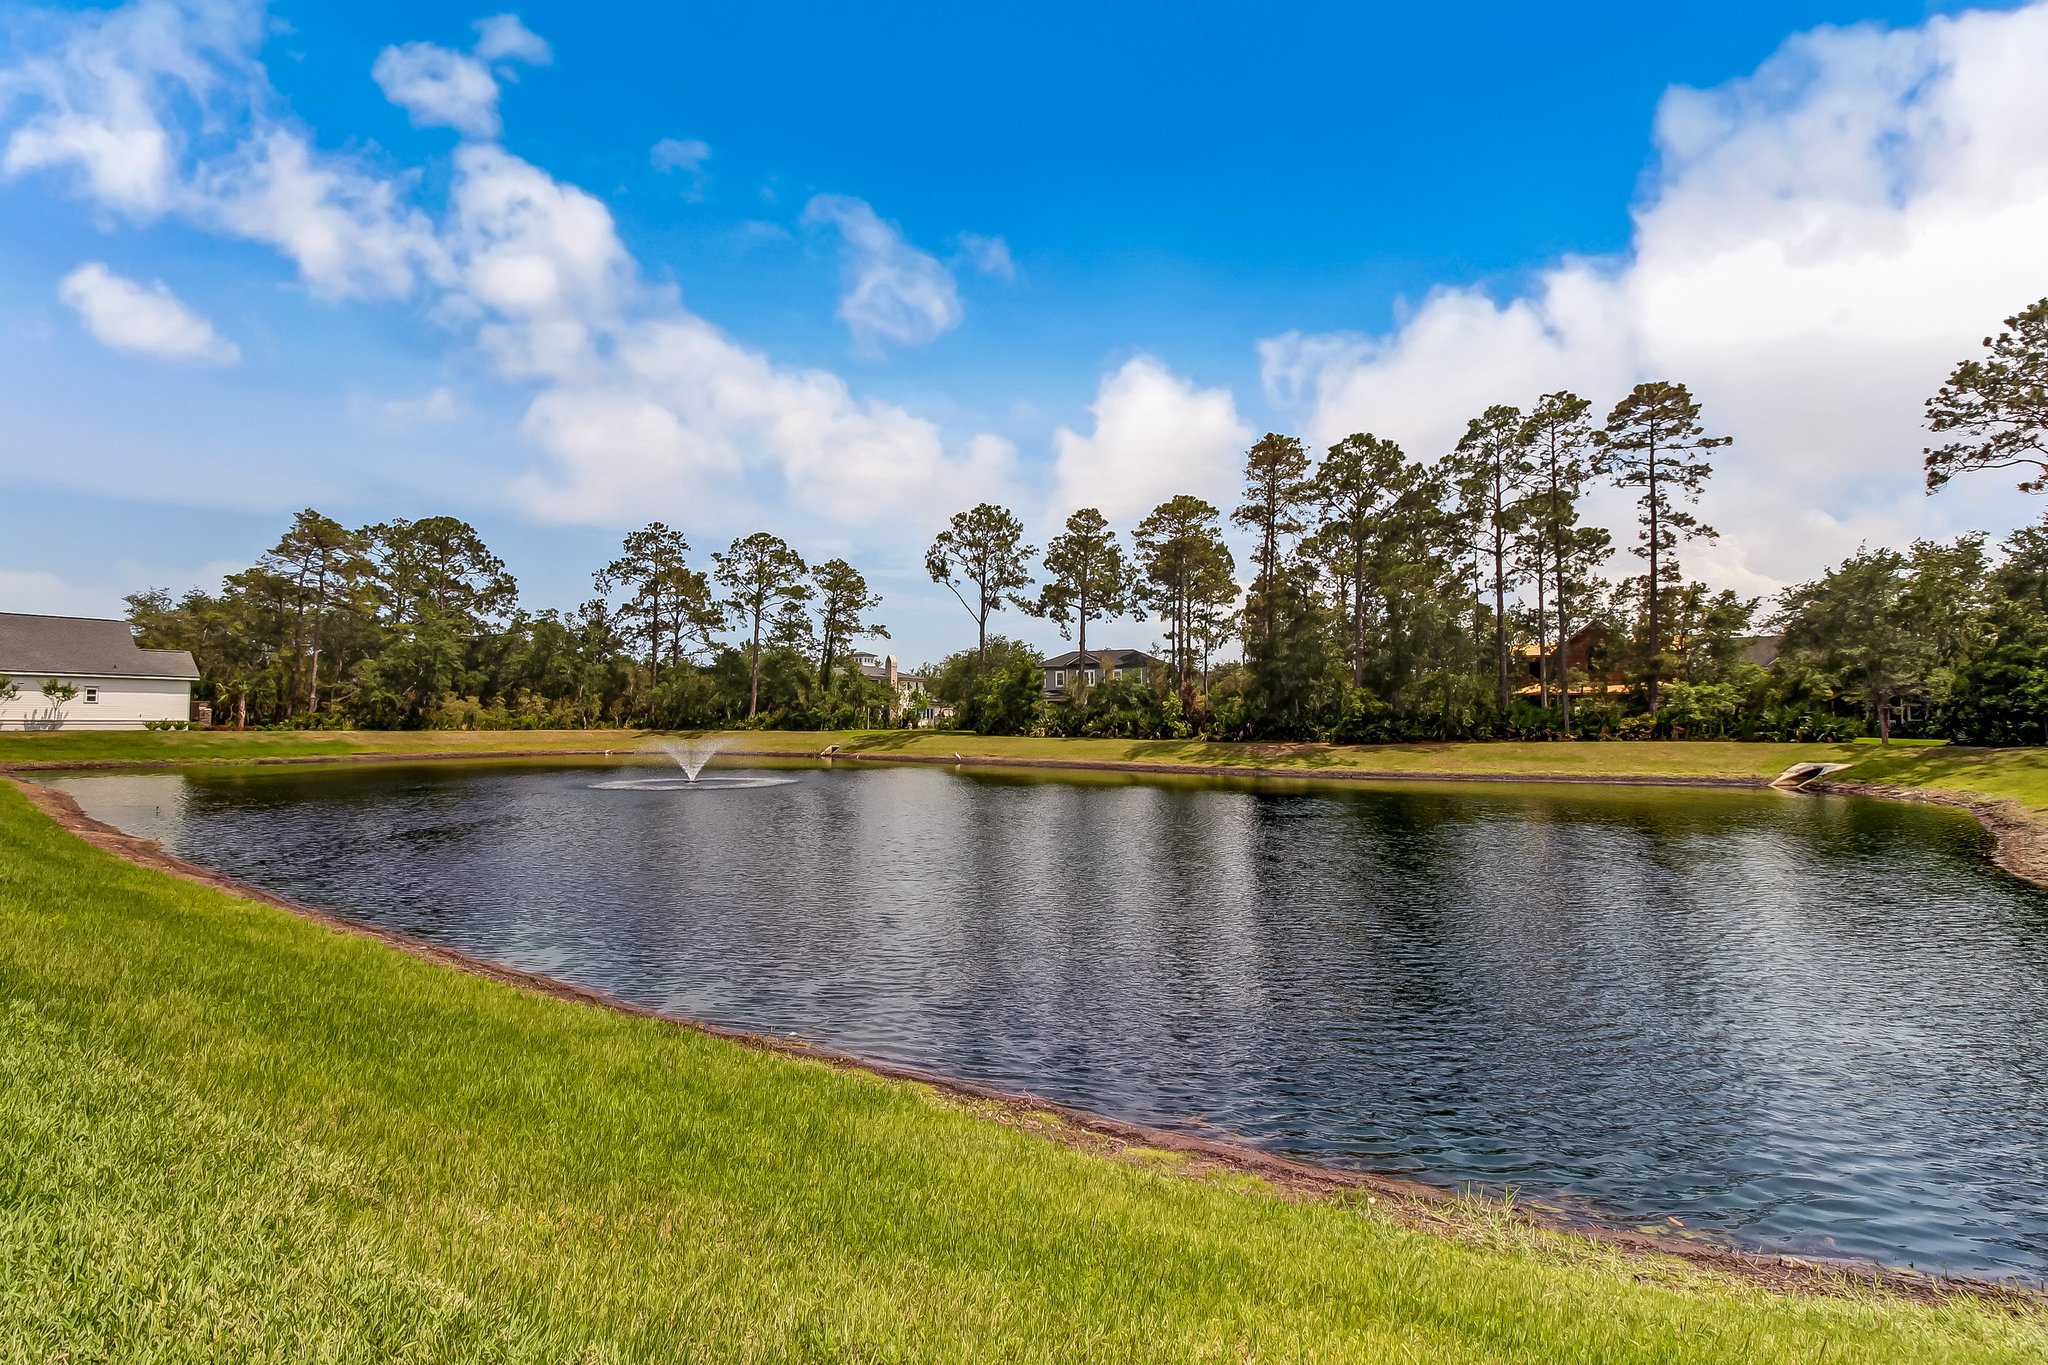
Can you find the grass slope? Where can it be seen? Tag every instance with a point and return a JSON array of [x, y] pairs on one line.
[[228, 1133], [2006, 774]]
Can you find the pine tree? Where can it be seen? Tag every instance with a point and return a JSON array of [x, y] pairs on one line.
[[1355, 487], [1493, 473], [1188, 578], [1649, 443], [2000, 403], [984, 549], [843, 606], [1087, 577], [761, 575], [1276, 488], [1560, 443], [668, 603]]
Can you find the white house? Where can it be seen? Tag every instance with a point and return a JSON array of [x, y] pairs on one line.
[[119, 686]]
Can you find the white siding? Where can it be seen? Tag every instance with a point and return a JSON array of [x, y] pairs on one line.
[[124, 704]]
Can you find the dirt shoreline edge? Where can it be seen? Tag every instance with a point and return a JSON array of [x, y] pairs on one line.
[[1421, 1206]]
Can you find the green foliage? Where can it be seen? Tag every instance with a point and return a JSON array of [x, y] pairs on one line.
[[2000, 696], [1087, 577], [1129, 707], [1649, 444], [982, 550], [1998, 405], [762, 578], [844, 605], [1188, 579], [1004, 697]]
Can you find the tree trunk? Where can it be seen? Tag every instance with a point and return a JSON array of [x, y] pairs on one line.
[[1081, 615], [1358, 612], [1564, 652], [1500, 616], [1656, 649], [754, 690]]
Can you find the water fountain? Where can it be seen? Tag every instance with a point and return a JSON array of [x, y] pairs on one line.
[[691, 755]]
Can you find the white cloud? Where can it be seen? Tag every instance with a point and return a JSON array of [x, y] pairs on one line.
[[40, 592], [1822, 242], [439, 88], [431, 408], [680, 154], [686, 155], [1156, 435], [639, 407], [146, 319], [97, 84], [894, 292], [989, 255], [347, 229], [502, 37]]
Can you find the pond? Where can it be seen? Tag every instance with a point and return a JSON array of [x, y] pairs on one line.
[[1816, 1025]]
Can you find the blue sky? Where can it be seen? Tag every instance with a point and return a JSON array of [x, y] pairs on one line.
[[387, 261]]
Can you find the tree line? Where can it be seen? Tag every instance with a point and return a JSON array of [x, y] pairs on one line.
[[1387, 598], [417, 624]]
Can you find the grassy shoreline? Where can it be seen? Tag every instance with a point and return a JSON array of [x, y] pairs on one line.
[[2015, 776], [230, 1132], [1683, 759]]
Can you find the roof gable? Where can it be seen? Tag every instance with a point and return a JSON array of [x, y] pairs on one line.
[[84, 647], [1100, 658]]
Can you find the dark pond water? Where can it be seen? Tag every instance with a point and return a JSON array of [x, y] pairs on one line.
[[1817, 1025]]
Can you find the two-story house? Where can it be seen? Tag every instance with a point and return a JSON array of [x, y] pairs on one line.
[[1064, 672]]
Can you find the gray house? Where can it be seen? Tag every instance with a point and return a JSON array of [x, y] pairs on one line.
[[1063, 672], [105, 681]]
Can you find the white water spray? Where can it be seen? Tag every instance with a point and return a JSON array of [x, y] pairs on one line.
[[692, 754]]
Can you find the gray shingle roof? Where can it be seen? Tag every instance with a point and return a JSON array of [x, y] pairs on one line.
[[83, 647], [1104, 658]]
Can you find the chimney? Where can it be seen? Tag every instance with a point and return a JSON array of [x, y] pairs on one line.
[[891, 666]]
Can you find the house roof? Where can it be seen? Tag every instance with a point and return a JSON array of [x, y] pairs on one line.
[[1101, 658], [84, 647], [881, 674]]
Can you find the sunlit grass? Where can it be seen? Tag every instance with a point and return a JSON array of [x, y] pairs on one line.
[[1692, 759], [2005, 774], [230, 1134]]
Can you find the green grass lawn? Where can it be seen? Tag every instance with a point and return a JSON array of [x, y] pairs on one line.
[[1676, 759], [227, 1133], [2007, 774], [197, 746]]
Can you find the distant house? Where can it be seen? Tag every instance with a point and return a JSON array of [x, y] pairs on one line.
[[1063, 672], [1762, 650], [118, 685], [906, 690]]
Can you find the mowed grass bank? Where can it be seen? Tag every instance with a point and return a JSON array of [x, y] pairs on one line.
[[230, 1133], [1682, 759], [2019, 775]]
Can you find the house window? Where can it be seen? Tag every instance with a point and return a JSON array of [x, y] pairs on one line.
[[1091, 675], [92, 696], [1059, 677]]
